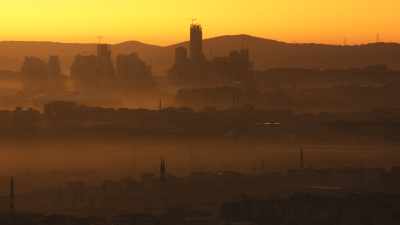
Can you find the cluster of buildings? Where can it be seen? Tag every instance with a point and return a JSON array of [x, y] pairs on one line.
[[301, 196], [235, 122], [39, 76], [90, 74], [219, 82], [194, 70], [94, 73], [320, 208], [127, 73]]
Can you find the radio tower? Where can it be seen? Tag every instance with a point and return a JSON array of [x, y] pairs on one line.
[[163, 170], [100, 39], [301, 158], [378, 38], [12, 196], [160, 105]]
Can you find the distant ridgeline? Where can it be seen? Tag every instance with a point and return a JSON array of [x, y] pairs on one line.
[[299, 77], [264, 52]]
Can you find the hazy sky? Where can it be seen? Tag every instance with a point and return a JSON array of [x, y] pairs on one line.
[[165, 22]]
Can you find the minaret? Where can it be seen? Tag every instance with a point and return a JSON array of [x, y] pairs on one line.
[[160, 105], [301, 158], [12, 196], [163, 170]]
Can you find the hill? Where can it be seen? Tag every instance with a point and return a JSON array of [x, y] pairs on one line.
[[264, 52]]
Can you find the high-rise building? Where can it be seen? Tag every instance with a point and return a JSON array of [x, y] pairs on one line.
[[54, 73], [196, 43], [132, 67], [92, 73], [34, 74], [54, 68], [84, 72], [105, 67], [103, 51], [133, 73], [180, 56]]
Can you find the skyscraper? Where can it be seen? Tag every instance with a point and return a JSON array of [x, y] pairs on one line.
[[196, 43], [180, 56], [133, 73], [54, 74], [53, 66], [103, 51], [34, 74], [105, 67]]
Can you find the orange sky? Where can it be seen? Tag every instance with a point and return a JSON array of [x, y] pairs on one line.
[[166, 21]]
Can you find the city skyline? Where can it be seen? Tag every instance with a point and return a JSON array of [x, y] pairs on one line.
[[185, 112], [163, 23]]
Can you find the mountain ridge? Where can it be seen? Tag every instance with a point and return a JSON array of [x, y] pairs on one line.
[[266, 53], [207, 39]]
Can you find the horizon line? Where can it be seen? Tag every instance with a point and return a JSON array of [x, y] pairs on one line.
[[209, 38]]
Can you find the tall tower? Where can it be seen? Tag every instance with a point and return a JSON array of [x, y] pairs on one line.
[[12, 196], [163, 170], [54, 68], [196, 43], [301, 158], [103, 50], [105, 67]]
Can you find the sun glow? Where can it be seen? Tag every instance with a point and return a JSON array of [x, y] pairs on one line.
[[165, 22]]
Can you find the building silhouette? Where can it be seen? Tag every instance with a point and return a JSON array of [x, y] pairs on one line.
[[93, 73], [54, 74], [163, 170], [181, 56], [105, 67], [103, 51], [234, 68], [196, 71], [196, 43], [41, 77], [84, 72], [133, 73], [54, 68], [34, 75]]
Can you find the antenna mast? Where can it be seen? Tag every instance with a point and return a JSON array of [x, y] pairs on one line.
[[100, 39], [12, 196]]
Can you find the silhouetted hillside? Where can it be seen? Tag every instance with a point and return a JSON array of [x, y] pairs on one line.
[[266, 53]]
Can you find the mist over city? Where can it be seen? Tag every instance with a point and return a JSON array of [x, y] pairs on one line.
[[137, 113]]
